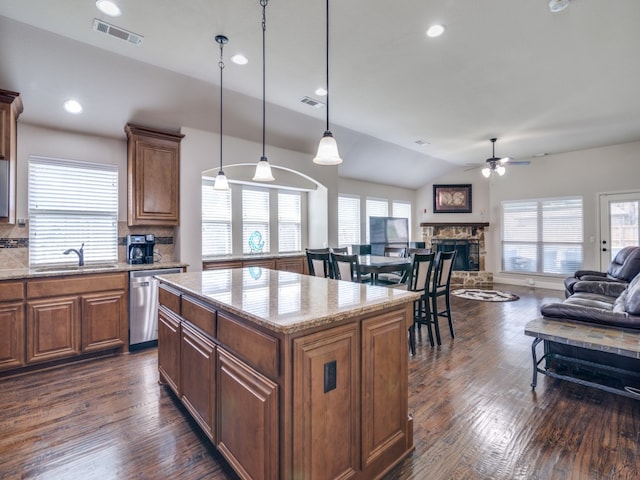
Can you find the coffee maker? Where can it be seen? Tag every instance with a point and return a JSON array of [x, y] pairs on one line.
[[140, 248]]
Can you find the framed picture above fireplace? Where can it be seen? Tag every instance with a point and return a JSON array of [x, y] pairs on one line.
[[452, 198]]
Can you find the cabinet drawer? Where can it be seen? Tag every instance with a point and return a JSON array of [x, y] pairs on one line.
[[270, 264], [215, 265], [169, 298], [199, 315], [77, 284], [257, 348], [11, 291]]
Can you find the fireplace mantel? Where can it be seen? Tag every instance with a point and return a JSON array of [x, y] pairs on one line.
[[457, 224]]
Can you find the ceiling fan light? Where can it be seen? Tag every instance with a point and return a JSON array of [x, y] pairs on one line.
[[327, 151], [263, 171], [500, 169], [558, 5], [221, 182], [486, 171]]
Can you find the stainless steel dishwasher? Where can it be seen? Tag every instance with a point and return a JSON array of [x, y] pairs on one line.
[[143, 306]]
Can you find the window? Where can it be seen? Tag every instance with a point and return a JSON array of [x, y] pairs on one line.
[[71, 203], [216, 220], [402, 210], [255, 220], [289, 222], [376, 208], [542, 236], [348, 220]]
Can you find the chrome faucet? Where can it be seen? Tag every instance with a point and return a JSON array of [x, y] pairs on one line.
[[80, 254]]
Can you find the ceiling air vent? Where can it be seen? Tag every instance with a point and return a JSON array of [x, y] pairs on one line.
[[104, 27], [310, 101]]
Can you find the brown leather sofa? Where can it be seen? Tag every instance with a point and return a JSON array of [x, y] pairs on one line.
[[622, 269]]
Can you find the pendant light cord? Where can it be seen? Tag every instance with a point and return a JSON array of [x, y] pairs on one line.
[[221, 65], [263, 3], [327, 61]]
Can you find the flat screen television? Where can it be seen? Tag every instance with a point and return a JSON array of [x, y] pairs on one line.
[[389, 231]]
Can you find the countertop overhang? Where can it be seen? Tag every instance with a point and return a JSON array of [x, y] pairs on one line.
[[59, 270]]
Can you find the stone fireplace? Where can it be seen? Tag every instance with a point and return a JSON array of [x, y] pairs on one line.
[[467, 239]]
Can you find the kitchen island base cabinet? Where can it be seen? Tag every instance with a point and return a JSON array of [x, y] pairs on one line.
[[248, 419], [198, 378], [169, 350]]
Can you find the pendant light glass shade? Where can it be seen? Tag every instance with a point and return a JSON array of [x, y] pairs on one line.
[[327, 151], [263, 169], [221, 182], [486, 171], [500, 169], [328, 147]]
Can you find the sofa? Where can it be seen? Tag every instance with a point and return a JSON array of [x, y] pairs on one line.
[[622, 269], [610, 304]]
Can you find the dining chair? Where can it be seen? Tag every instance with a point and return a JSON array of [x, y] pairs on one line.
[[342, 250], [393, 277], [319, 262], [422, 251], [440, 286], [346, 267], [418, 281]]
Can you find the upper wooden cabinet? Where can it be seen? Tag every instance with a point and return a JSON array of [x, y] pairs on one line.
[[10, 110], [153, 176]]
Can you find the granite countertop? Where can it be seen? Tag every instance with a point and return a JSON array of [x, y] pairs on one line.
[[58, 270], [285, 302]]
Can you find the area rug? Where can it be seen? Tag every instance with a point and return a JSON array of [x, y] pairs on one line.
[[485, 295]]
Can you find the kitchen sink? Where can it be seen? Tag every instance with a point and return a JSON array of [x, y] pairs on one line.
[[75, 268]]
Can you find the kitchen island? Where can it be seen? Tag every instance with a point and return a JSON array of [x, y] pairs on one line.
[[290, 376]]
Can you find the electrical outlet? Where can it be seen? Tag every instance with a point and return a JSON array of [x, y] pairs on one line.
[[330, 376]]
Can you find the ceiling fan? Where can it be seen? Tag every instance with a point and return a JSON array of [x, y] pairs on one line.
[[496, 164]]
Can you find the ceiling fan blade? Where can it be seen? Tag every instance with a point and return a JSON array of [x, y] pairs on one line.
[[520, 162]]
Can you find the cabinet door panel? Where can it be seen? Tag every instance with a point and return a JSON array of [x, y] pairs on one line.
[[384, 372], [247, 419], [198, 378], [11, 335], [326, 423], [53, 329], [104, 321], [169, 350]]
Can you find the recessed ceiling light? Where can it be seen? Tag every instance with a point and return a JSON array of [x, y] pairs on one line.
[[321, 91], [558, 5], [436, 30], [73, 106], [421, 143], [109, 8], [239, 59]]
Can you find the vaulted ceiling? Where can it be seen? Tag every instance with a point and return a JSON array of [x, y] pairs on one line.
[[541, 82]]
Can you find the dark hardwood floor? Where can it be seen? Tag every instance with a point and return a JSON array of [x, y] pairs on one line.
[[475, 414]]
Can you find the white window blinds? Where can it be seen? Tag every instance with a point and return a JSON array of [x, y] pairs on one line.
[[348, 220], [71, 203], [402, 210], [542, 236], [255, 220], [289, 222], [216, 220], [376, 208]]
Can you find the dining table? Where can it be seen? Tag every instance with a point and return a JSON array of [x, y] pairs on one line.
[[376, 264]]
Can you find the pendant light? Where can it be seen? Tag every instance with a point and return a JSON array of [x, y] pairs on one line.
[[263, 169], [221, 182], [328, 148]]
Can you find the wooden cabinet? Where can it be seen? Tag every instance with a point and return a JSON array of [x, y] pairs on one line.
[[248, 419], [10, 109], [198, 378], [69, 316], [53, 329], [325, 404], [12, 340], [292, 264], [169, 350], [104, 321], [153, 176]]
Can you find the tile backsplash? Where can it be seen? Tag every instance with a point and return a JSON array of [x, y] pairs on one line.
[[14, 243]]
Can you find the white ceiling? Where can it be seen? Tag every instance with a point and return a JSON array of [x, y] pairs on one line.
[[540, 82]]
